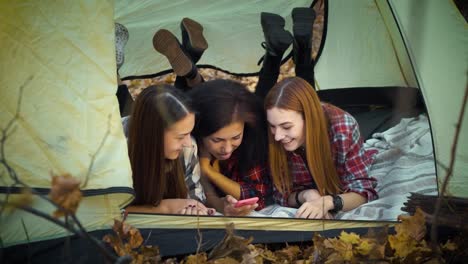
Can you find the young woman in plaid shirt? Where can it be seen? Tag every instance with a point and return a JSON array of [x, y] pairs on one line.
[[316, 155], [231, 134]]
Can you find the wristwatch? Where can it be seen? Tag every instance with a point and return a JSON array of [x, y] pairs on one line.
[[337, 204]]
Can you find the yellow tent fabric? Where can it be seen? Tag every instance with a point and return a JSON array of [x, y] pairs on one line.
[[63, 54]]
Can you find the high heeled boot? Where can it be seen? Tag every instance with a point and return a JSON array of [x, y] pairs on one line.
[[277, 41], [193, 40], [303, 21], [167, 44], [194, 43]]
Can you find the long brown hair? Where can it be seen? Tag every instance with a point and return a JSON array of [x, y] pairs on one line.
[[155, 177], [298, 95]]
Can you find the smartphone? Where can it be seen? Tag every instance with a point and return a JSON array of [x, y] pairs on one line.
[[249, 201]]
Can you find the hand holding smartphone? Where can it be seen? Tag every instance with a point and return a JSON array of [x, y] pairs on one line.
[[248, 201]]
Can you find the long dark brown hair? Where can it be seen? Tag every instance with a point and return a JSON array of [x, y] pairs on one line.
[[219, 103], [298, 95], [155, 177]]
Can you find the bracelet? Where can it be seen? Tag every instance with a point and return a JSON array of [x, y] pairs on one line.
[[297, 199]]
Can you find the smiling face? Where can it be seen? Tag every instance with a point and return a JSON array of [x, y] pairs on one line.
[[287, 127], [223, 142], [177, 136]]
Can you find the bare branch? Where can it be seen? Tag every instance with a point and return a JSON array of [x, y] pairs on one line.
[[199, 235], [68, 225], [434, 235], [80, 232], [25, 231], [443, 166], [28, 239], [18, 103], [93, 157], [147, 238], [45, 216], [5, 134], [2, 246]]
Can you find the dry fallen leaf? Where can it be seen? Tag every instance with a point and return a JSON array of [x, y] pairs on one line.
[[414, 226], [200, 258], [450, 246], [127, 240], [288, 254], [116, 244], [403, 244], [231, 246], [65, 191], [371, 249], [345, 249], [252, 257], [128, 233], [351, 238], [409, 232], [225, 260]]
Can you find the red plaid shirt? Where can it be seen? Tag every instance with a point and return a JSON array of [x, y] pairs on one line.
[[352, 161], [257, 182]]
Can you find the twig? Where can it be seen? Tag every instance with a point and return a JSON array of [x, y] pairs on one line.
[[434, 235], [67, 227], [442, 165], [8, 126], [43, 215], [199, 234], [28, 239], [147, 238], [4, 137], [124, 259], [6, 132], [66, 246], [323, 212], [57, 206], [1, 249], [93, 157]]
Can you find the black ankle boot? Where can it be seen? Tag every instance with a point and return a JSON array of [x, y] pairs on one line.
[[277, 39], [303, 21], [193, 40]]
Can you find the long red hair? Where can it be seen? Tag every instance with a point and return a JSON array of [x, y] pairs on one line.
[[298, 95]]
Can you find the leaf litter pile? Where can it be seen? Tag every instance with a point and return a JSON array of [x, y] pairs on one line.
[[406, 245]]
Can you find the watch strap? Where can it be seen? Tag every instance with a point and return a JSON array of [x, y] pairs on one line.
[[337, 203]]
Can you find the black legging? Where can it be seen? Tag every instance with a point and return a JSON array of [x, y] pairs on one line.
[[269, 73]]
